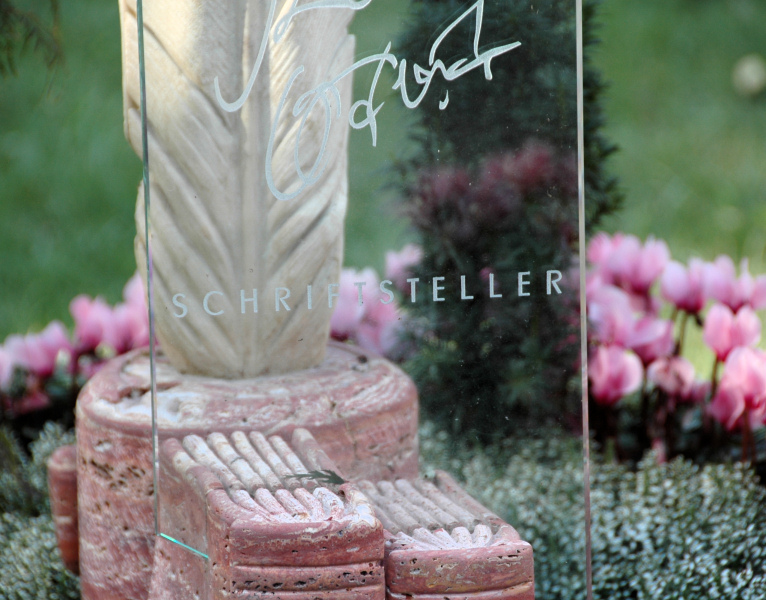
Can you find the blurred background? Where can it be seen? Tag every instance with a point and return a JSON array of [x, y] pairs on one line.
[[682, 105]]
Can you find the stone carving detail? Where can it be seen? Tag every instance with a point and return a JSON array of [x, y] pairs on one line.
[[270, 519], [441, 543], [216, 225], [283, 523]]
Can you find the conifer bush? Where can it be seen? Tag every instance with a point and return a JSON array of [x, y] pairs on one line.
[[493, 189]]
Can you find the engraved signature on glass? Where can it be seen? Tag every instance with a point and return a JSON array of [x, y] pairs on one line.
[[326, 96]]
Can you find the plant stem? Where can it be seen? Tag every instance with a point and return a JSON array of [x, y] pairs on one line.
[[681, 333]]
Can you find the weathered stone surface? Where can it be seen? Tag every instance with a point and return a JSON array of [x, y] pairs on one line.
[[441, 544], [273, 527], [62, 488], [361, 409]]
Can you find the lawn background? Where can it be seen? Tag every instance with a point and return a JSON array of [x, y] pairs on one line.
[[692, 159]]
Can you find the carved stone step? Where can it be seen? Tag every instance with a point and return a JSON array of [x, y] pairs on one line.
[[273, 522], [441, 544], [270, 532]]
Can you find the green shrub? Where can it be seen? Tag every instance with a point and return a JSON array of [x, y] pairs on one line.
[[23, 478], [30, 564], [493, 188], [671, 531]]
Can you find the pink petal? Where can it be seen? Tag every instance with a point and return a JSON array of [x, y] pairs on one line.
[[613, 373], [399, 264], [717, 333]]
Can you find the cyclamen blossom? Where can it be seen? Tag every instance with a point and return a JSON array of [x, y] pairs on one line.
[[399, 264], [742, 389], [349, 311], [379, 329], [93, 323], [122, 328], [37, 352], [610, 314], [635, 267], [651, 339], [374, 322], [724, 331], [723, 285], [674, 375], [613, 373], [685, 287]]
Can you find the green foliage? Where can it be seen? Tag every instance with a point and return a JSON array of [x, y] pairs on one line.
[[488, 356], [21, 28], [23, 478], [672, 531], [30, 565], [531, 94], [512, 140]]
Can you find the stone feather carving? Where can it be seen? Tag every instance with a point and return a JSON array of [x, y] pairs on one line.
[[223, 245]]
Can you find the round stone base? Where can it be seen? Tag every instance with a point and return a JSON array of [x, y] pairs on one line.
[[361, 409]]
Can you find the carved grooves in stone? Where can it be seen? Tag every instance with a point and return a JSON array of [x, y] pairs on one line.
[[441, 543], [263, 475], [274, 521]]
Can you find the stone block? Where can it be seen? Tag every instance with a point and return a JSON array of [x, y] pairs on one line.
[[273, 521], [441, 544], [62, 488]]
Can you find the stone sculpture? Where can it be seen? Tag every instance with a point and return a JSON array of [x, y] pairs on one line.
[[216, 224]]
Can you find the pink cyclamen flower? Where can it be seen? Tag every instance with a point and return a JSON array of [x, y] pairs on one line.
[[134, 292], [93, 324], [37, 352], [635, 267], [725, 331], [44, 348], [723, 285], [131, 327], [399, 264], [651, 339], [350, 307], [742, 389], [613, 373], [674, 375], [379, 328], [601, 247], [610, 313], [685, 287]]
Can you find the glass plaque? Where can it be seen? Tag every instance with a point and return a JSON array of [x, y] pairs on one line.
[[360, 227]]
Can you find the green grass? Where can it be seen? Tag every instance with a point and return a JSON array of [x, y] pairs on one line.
[[68, 178], [692, 157]]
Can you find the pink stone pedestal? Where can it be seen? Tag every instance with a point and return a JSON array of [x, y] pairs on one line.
[[361, 409]]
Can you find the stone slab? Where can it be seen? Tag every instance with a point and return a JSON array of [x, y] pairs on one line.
[[442, 544], [278, 522], [62, 487]]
